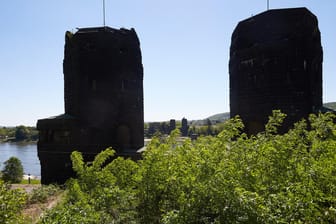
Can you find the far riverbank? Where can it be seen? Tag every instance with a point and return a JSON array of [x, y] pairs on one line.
[[26, 152]]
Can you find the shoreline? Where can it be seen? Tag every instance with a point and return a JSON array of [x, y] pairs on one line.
[[24, 142], [32, 177], [26, 152]]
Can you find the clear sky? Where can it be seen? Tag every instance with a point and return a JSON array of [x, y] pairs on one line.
[[185, 51]]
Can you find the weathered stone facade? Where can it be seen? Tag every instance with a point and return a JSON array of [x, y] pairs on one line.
[[185, 127], [172, 125], [103, 94], [275, 63]]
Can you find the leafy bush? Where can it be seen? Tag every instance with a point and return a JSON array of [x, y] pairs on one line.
[[96, 196], [72, 213], [41, 194], [230, 178], [13, 170], [11, 204]]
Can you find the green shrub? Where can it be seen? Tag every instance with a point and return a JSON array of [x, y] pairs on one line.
[[95, 197], [13, 170], [229, 178], [41, 195], [11, 204]]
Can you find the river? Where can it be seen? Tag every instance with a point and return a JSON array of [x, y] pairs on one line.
[[27, 153]]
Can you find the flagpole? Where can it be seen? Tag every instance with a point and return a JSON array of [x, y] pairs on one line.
[[104, 12], [267, 5]]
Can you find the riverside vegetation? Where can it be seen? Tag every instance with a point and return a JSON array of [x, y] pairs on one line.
[[18, 134], [228, 178], [18, 206], [14, 201]]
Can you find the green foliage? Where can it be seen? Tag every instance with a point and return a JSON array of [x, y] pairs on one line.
[[228, 178], [96, 195], [208, 128], [41, 194], [19, 133], [155, 129], [6, 133], [13, 170], [23, 133], [11, 204], [3, 132]]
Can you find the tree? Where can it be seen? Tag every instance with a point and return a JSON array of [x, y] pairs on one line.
[[3, 132], [21, 133], [13, 170]]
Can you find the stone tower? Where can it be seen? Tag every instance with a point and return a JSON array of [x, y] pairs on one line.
[[184, 128], [103, 95], [275, 63]]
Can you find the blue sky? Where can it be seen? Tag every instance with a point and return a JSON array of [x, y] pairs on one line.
[[185, 50]]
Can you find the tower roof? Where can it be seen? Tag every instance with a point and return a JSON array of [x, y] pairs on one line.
[[285, 12], [101, 29]]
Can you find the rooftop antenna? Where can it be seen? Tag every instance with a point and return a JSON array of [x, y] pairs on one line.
[[104, 12], [267, 5], [324, 87]]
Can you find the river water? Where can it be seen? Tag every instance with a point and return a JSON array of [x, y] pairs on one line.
[[27, 153]]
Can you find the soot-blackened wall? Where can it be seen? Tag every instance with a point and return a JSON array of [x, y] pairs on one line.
[[275, 63], [103, 95]]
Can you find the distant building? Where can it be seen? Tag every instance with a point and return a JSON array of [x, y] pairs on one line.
[[276, 63], [185, 127], [154, 128], [172, 125], [103, 95]]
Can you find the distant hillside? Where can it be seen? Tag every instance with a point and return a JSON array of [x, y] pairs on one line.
[[331, 105], [221, 117], [217, 118]]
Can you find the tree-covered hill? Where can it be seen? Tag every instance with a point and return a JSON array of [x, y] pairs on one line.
[[216, 118]]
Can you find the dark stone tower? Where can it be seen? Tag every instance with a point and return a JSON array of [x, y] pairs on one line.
[[184, 128], [276, 63], [172, 125], [103, 95]]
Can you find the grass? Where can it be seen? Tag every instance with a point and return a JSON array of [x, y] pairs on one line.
[[32, 181]]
